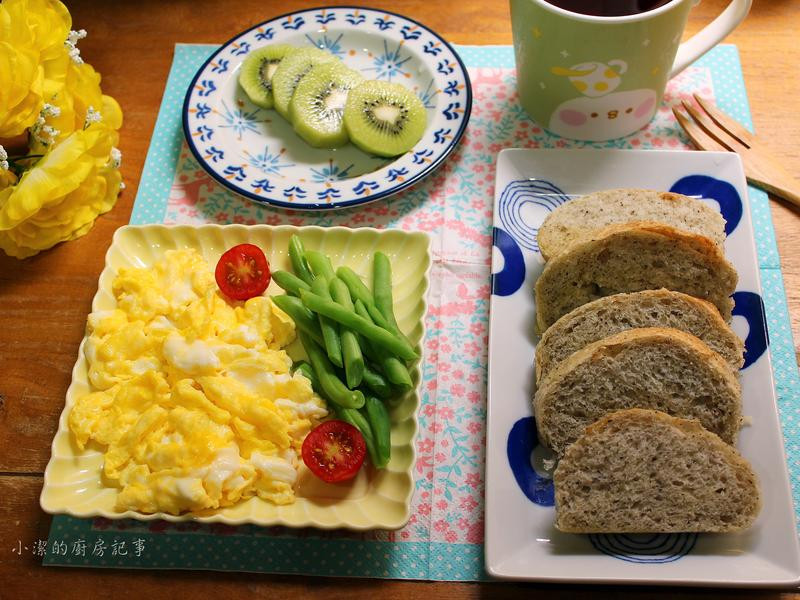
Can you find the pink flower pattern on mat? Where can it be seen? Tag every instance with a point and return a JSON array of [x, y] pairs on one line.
[[455, 206]]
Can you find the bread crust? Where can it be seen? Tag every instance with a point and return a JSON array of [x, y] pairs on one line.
[[580, 218], [716, 369], [727, 343], [580, 274]]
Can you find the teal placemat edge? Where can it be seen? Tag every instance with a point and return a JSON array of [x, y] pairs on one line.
[[404, 560], [325, 557]]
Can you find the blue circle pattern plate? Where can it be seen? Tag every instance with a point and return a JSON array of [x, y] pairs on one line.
[[521, 541], [256, 153]]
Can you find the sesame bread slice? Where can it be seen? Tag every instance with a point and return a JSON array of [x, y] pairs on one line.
[[630, 258], [580, 218], [654, 368], [649, 308], [642, 471]]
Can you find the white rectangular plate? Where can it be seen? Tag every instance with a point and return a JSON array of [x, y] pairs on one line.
[[521, 540]]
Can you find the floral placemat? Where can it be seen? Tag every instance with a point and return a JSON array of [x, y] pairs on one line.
[[444, 538]]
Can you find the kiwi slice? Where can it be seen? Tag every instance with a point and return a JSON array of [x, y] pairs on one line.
[[318, 103], [291, 70], [255, 74], [384, 118]]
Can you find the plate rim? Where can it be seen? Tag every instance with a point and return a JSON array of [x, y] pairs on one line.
[[219, 518], [494, 569], [316, 206]]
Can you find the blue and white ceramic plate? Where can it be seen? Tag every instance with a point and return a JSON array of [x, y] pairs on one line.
[[521, 541], [256, 153]]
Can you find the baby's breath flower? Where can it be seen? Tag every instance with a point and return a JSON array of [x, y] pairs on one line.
[[116, 157], [72, 45], [48, 110], [42, 133], [3, 159], [92, 116]]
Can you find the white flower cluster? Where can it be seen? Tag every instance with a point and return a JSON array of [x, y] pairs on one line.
[[72, 45], [116, 158], [3, 159], [92, 116], [41, 131]]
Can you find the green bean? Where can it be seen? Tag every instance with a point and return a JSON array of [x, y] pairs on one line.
[[330, 330], [379, 422], [351, 351], [360, 422], [359, 291], [304, 319], [383, 338], [382, 287], [333, 388], [289, 282], [299, 263], [320, 265], [395, 370], [308, 372], [375, 382]]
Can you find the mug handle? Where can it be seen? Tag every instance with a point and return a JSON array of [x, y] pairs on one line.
[[708, 37]]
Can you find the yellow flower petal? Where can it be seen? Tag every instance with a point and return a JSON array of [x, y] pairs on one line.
[[21, 89], [7, 178], [60, 172], [33, 59], [112, 113], [69, 220], [81, 90]]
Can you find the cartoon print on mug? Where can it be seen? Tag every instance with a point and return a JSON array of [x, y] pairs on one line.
[[601, 113]]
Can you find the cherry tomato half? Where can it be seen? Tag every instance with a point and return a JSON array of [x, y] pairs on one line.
[[334, 451], [243, 272]]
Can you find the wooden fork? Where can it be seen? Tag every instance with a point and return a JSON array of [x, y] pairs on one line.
[[714, 130]]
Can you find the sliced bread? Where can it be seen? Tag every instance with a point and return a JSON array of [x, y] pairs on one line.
[[630, 258], [655, 368], [642, 471], [580, 218], [649, 308]]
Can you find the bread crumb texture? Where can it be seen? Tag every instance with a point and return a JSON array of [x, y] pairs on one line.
[[642, 471]]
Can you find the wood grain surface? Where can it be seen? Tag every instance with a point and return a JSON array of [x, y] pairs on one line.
[[44, 300]]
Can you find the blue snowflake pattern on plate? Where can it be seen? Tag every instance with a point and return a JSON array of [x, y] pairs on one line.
[[331, 44], [389, 63], [240, 120], [267, 162], [331, 173]]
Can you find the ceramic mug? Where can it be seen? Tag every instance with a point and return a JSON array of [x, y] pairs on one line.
[[599, 78]]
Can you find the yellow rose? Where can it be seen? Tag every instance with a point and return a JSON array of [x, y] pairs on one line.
[[59, 198], [70, 220], [33, 60], [81, 91]]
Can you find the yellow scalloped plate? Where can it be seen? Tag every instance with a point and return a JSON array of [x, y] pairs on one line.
[[374, 499]]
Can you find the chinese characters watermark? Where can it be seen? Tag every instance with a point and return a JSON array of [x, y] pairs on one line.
[[80, 547]]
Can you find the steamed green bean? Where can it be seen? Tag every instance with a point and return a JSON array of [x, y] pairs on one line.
[[329, 328], [351, 351], [298, 260], [332, 387], [382, 337]]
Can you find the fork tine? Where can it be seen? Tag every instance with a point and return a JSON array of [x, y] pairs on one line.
[[699, 137], [712, 129], [732, 126]]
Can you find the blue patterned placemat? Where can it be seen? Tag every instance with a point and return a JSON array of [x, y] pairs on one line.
[[131, 544]]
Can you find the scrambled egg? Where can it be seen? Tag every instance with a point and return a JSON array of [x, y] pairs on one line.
[[193, 396]]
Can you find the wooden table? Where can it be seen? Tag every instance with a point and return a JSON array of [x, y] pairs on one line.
[[44, 300]]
